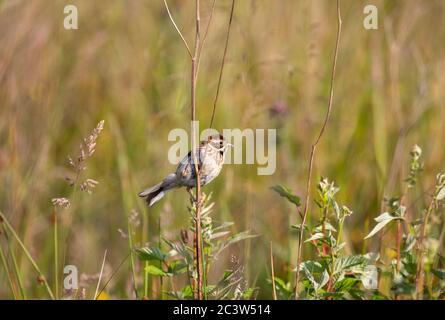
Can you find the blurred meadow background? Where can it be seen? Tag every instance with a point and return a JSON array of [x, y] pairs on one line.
[[126, 65]]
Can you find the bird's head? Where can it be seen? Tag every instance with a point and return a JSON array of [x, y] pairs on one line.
[[218, 142]]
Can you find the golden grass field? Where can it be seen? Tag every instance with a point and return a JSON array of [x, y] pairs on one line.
[[126, 65]]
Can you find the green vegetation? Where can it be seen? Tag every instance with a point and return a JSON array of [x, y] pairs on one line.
[[69, 181]]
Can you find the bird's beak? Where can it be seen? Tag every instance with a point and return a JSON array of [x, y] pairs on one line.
[[230, 145]]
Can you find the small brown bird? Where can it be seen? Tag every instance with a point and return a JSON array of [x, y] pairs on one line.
[[210, 161]]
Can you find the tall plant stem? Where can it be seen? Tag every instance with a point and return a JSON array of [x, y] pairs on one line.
[[195, 61], [27, 254], [100, 275], [272, 271], [222, 63], [56, 257], [7, 272], [197, 234], [313, 150], [398, 243], [420, 276], [161, 279], [177, 29], [15, 265], [132, 264]]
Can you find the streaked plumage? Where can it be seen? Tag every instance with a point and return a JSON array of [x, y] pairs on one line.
[[210, 161]]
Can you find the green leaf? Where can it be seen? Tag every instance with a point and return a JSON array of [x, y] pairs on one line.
[[347, 263], [327, 227], [177, 267], [382, 220], [155, 271], [310, 266], [284, 286], [440, 273], [151, 253], [332, 295], [379, 296], [315, 273], [315, 236], [187, 291], [287, 193], [409, 263], [181, 249], [248, 294], [345, 284]]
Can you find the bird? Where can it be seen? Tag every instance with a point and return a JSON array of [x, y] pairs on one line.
[[210, 157]]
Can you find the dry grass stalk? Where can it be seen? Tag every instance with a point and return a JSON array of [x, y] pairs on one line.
[[314, 148], [195, 59]]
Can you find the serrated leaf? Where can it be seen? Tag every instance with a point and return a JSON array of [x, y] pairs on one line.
[[180, 249], [382, 220], [151, 253], [315, 273], [310, 266], [347, 263], [287, 193]]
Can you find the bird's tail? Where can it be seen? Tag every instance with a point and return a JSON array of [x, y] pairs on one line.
[[157, 192]]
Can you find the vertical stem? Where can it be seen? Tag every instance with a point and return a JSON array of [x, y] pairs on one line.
[[222, 64], [146, 280], [272, 270], [313, 150], [132, 267], [420, 276], [145, 226], [324, 248], [96, 293], [15, 265], [8, 273], [195, 150], [27, 254], [161, 279], [398, 243], [56, 257]]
